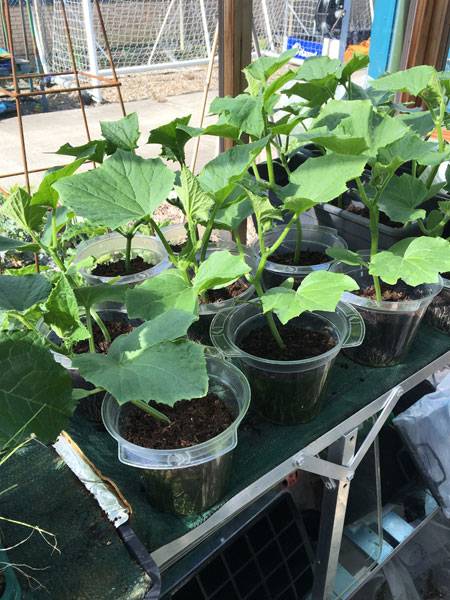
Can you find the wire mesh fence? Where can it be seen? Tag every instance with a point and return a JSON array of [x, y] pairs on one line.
[[149, 34]]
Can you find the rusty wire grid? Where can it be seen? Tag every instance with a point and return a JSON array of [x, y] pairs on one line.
[[16, 92]]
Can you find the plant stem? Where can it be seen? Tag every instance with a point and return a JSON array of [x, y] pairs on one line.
[[165, 243], [374, 215], [129, 238], [91, 332], [298, 242], [100, 324], [54, 232], [270, 170], [159, 416], [255, 171], [269, 318], [207, 233]]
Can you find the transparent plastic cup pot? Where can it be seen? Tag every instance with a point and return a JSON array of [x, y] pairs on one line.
[[390, 326], [286, 392], [199, 330], [315, 238], [188, 481], [113, 245], [438, 313]]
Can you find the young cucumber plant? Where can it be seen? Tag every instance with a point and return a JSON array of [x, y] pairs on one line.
[[155, 362], [357, 129]]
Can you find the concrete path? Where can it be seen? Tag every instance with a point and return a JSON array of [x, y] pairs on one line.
[[46, 132]]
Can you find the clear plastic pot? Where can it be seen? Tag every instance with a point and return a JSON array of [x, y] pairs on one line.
[[286, 392], [190, 480], [438, 313], [390, 326], [113, 244], [315, 238]]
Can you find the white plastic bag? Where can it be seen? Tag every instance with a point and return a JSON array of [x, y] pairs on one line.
[[425, 427]]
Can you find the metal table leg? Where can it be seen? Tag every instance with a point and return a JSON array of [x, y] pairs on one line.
[[334, 506]]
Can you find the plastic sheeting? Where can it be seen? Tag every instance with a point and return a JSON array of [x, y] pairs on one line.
[[425, 427]]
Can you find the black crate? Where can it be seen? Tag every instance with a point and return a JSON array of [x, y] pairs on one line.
[[267, 558]]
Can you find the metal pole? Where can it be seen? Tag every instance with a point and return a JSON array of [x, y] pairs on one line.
[[17, 93], [91, 43], [109, 55], [181, 17], [334, 506], [205, 27], [24, 30], [39, 38], [268, 25], [160, 32], [344, 28]]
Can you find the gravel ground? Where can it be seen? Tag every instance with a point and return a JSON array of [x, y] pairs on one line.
[[157, 86]]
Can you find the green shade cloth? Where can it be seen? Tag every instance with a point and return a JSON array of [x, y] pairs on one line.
[[93, 563], [262, 445]]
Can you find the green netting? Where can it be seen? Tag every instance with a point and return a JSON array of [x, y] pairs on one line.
[[262, 445], [93, 563]]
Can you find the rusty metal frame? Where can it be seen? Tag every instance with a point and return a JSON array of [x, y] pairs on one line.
[[18, 94]]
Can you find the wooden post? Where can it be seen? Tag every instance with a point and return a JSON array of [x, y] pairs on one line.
[[235, 53], [426, 37]]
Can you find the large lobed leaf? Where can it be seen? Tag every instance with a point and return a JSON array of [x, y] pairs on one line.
[[35, 393], [415, 261], [401, 197], [196, 202], [18, 207], [321, 180], [46, 194], [243, 112], [173, 138], [151, 363], [220, 175], [219, 270], [62, 313], [320, 290], [166, 291], [414, 80], [123, 134], [21, 293], [124, 188]]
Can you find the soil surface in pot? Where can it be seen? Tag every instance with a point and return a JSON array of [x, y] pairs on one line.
[[388, 293], [363, 211], [227, 293], [117, 268], [300, 343], [307, 258], [191, 422], [115, 329]]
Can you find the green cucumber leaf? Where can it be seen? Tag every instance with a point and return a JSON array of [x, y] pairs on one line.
[[173, 138], [123, 134], [197, 203], [401, 197], [415, 261], [124, 188], [220, 269], [35, 393], [62, 314], [20, 293]]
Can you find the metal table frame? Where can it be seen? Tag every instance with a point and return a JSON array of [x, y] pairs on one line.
[[337, 472]]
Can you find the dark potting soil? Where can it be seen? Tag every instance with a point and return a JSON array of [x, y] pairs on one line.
[[389, 294], [2, 583], [300, 343], [115, 329], [177, 248], [116, 269], [231, 291], [191, 422], [363, 211], [307, 258]]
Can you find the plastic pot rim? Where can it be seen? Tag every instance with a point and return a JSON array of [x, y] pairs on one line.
[[237, 352], [231, 430], [163, 264]]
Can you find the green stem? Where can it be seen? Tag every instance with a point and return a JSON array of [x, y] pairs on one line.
[[270, 320], [269, 159], [298, 242], [100, 324], [54, 232], [91, 332], [374, 216], [255, 171], [151, 411], [362, 192], [165, 243], [207, 233], [129, 237]]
